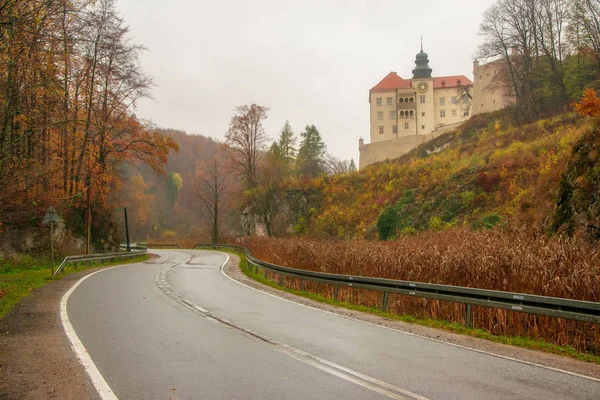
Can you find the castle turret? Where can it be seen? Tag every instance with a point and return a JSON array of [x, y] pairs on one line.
[[422, 70]]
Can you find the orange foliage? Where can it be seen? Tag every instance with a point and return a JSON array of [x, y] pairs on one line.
[[589, 104]]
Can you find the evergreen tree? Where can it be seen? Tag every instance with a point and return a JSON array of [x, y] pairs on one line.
[[311, 155], [352, 167], [287, 145]]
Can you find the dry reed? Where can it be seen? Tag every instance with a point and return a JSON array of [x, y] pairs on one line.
[[509, 261]]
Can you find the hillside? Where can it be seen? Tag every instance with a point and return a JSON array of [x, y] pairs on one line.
[[162, 204], [484, 173]]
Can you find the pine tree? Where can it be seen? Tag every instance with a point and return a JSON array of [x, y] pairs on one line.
[[311, 155], [286, 145], [352, 167]]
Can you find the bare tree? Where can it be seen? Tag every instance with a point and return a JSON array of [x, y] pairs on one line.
[[336, 165], [246, 138], [213, 191]]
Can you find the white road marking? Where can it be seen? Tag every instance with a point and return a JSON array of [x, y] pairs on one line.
[[100, 384], [98, 381], [330, 367], [410, 333]]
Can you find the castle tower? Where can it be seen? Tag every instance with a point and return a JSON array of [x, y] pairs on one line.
[[423, 83]]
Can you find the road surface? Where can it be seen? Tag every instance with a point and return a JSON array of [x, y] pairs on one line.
[[177, 327]]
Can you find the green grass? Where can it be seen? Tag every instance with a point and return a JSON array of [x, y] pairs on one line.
[[19, 279], [533, 344]]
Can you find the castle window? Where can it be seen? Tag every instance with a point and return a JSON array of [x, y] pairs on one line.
[[442, 113], [454, 113], [421, 99], [406, 99], [442, 101], [389, 101], [392, 114], [381, 130], [454, 100], [466, 114], [411, 114], [422, 114], [423, 127], [459, 82], [401, 114], [379, 101], [406, 125], [401, 99], [395, 129], [466, 100], [412, 100], [380, 115], [443, 83]]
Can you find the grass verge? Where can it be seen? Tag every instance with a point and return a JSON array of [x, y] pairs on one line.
[[19, 279], [533, 344]]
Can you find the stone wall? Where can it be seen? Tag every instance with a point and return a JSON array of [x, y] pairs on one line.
[[390, 149], [394, 148]]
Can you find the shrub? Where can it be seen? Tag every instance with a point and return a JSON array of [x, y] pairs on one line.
[[386, 223]]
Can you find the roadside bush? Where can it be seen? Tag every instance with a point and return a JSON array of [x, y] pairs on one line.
[[386, 223]]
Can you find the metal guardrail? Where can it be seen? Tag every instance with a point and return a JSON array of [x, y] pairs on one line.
[[95, 257], [150, 245], [578, 310]]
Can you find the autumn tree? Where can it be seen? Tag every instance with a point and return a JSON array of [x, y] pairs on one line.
[[68, 90], [267, 195], [311, 154], [173, 185], [246, 139]]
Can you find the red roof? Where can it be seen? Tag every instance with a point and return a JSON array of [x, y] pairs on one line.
[[451, 81], [392, 81]]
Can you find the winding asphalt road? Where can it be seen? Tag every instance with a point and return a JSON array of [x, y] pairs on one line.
[[178, 328]]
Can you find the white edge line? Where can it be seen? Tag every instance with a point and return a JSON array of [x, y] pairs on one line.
[[410, 333], [332, 368], [102, 387]]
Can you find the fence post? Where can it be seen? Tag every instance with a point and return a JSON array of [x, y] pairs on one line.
[[468, 316], [385, 302]]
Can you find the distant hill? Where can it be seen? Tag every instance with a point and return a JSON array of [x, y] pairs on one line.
[[157, 207], [485, 173]]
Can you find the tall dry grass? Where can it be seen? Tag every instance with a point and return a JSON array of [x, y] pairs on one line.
[[513, 261]]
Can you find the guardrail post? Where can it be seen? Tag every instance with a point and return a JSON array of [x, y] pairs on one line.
[[280, 279], [385, 302], [303, 285], [336, 292], [468, 316]]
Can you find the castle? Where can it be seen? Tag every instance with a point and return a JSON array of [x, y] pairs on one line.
[[405, 113]]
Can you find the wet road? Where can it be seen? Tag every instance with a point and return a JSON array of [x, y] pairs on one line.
[[179, 328]]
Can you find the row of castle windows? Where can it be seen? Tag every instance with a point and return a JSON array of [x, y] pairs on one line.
[[394, 128], [390, 100], [393, 114], [410, 114]]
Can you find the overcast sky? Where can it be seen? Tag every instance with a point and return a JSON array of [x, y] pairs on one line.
[[309, 61]]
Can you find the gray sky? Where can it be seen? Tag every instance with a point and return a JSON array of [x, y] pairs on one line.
[[309, 61]]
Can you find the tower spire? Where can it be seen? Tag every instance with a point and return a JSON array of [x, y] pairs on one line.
[[421, 42]]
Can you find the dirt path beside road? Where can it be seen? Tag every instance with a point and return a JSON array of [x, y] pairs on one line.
[[36, 360]]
